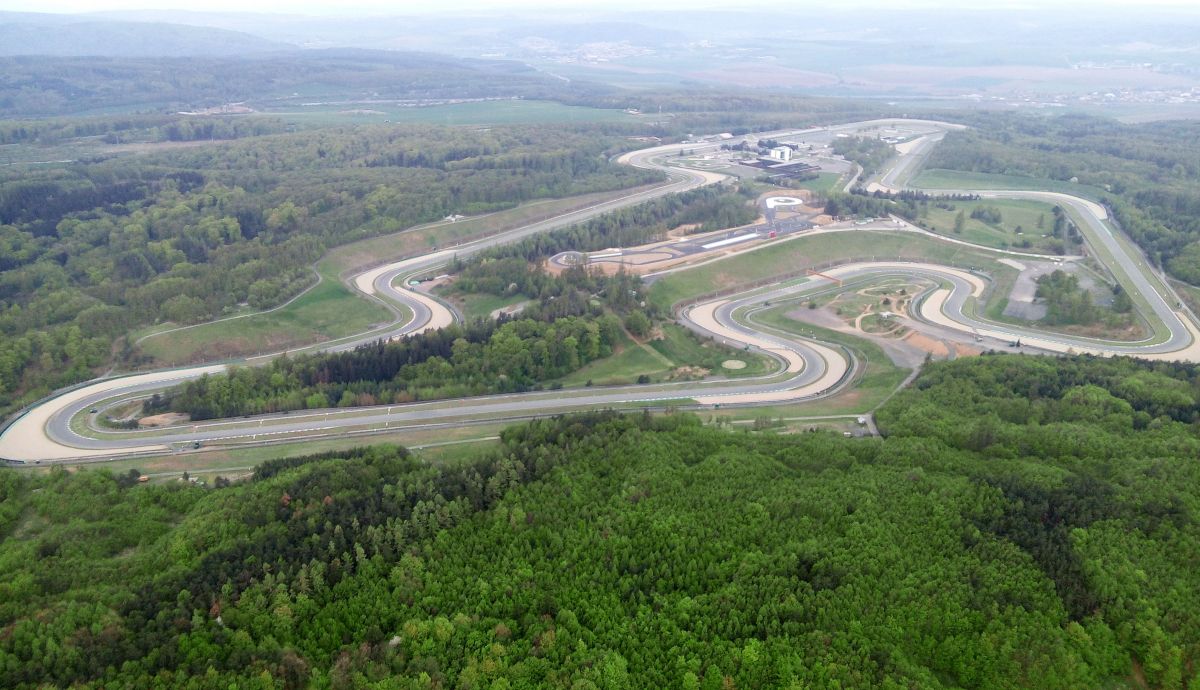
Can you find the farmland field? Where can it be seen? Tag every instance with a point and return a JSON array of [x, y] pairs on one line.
[[500, 112]]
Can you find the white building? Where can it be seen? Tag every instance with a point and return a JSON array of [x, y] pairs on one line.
[[781, 153]]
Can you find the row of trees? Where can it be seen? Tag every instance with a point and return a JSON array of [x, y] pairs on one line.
[[878, 204], [1026, 522], [456, 361], [705, 209], [620, 292]]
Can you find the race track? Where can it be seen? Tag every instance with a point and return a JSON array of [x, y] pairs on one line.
[[807, 368]]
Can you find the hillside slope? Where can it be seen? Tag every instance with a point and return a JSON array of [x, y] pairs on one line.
[[30, 34], [1028, 523]]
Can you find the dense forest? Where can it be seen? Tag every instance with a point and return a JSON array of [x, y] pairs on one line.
[[92, 250], [39, 86], [56, 86], [139, 128], [1148, 173], [576, 320], [1026, 522]]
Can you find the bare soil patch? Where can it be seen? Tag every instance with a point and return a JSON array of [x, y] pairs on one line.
[[934, 347], [164, 419], [688, 373], [961, 350]]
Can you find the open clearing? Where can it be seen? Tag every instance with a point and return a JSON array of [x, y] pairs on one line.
[[328, 310], [940, 178], [678, 355], [1019, 224], [501, 112], [825, 182], [483, 306], [451, 441]]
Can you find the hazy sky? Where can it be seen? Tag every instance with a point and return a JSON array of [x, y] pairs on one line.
[[447, 6]]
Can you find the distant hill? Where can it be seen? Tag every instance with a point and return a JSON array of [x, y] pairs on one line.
[[578, 33], [53, 35], [54, 85]]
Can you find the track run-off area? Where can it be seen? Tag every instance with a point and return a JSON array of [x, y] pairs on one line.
[[56, 430]]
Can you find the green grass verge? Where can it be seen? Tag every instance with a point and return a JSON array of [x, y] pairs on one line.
[[327, 311], [1016, 215], [940, 178], [879, 377], [683, 347], [423, 238], [506, 112], [216, 460], [481, 306], [657, 359], [824, 183], [457, 452]]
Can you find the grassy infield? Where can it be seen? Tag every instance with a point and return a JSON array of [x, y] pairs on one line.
[[1015, 214], [878, 381]]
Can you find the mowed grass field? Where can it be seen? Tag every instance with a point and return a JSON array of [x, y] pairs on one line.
[[824, 183], [448, 443], [1016, 216], [480, 306], [506, 112], [940, 178], [328, 310], [659, 358]]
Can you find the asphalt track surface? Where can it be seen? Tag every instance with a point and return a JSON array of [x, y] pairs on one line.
[[807, 368]]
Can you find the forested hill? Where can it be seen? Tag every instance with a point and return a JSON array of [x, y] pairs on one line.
[[39, 34], [43, 85], [1027, 522]]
